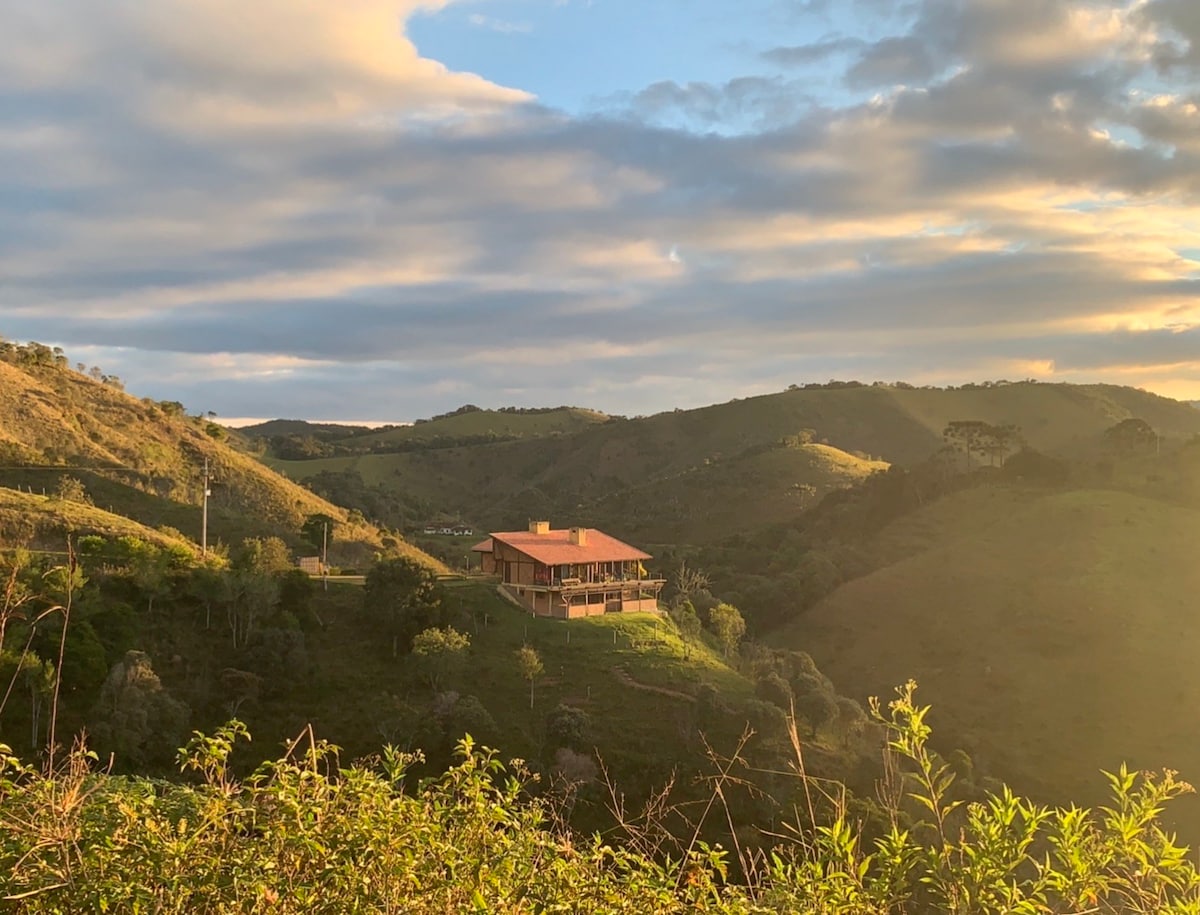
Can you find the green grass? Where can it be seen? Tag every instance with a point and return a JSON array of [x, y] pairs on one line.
[[487, 422], [689, 476], [640, 733], [42, 522], [61, 421], [1055, 633]]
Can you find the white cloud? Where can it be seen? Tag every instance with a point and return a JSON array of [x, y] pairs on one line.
[[291, 186]]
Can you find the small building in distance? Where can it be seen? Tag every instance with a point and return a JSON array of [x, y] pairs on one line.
[[310, 564], [457, 529], [570, 572]]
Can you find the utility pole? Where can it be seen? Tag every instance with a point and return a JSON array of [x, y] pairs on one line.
[[325, 555], [204, 514]]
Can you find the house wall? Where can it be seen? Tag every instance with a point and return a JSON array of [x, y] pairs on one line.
[[512, 565]]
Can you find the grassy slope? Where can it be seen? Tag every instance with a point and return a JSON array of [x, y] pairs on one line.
[[503, 486], [1027, 616], [738, 494], [43, 522], [344, 697], [298, 427], [488, 422], [56, 416], [625, 475]]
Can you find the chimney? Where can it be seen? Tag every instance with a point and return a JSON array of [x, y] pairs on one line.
[[539, 527], [579, 536]]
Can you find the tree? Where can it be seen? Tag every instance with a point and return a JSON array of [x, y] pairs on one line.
[[71, 489], [815, 701], [1131, 436], [255, 596], [18, 574], [318, 529], [568, 726], [135, 717], [967, 434], [688, 581], [37, 676], [1000, 441], [404, 595], [689, 625], [529, 663], [439, 652], [728, 626], [263, 555], [149, 570], [210, 588]]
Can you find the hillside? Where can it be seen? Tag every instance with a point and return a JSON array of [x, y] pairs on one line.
[[507, 484], [646, 478], [273, 427], [144, 460], [1054, 632], [629, 672], [469, 425], [44, 522]]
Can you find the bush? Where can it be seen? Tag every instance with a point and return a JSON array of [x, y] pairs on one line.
[[308, 835]]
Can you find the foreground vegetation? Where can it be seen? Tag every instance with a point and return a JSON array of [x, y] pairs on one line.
[[304, 834]]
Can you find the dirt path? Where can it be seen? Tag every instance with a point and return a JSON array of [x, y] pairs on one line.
[[624, 676]]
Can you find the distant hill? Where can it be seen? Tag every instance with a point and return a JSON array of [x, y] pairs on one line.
[[666, 477], [471, 424], [295, 439], [144, 460], [1054, 632], [273, 427]]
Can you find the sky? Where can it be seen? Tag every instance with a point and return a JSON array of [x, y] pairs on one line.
[[384, 209]]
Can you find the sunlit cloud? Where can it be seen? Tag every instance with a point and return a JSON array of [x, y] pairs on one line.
[[254, 206]]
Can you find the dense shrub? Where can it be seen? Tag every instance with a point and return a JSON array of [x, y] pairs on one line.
[[305, 835]]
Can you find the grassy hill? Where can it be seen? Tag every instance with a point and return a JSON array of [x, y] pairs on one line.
[[43, 522], [691, 475], [467, 425], [505, 485], [628, 672], [487, 423], [1054, 632], [144, 460], [274, 427]]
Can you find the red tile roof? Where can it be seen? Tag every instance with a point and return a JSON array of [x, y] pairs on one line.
[[555, 547]]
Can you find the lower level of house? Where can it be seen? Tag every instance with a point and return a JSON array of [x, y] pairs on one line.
[[567, 601]]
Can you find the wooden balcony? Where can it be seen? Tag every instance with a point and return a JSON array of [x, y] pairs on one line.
[[575, 586]]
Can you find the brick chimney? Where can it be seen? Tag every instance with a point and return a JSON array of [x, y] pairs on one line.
[[579, 536], [539, 527]]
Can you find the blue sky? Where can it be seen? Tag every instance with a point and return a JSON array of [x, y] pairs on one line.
[[382, 209], [580, 57]]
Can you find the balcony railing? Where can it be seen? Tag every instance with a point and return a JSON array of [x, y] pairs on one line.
[[575, 585]]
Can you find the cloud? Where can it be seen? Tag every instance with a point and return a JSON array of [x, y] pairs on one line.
[[813, 52], [993, 186], [892, 60]]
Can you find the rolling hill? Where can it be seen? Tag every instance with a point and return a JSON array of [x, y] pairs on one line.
[[44, 521], [1054, 632], [651, 478], [467, 425], [144, 460]]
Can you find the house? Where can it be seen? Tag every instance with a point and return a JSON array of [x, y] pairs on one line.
[[449, 530], [569, 573]]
